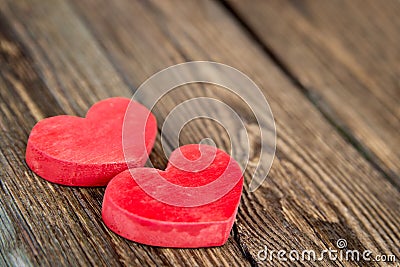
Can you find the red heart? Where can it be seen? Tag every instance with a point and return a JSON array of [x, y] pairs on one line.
[[88, 151], [132, 213]]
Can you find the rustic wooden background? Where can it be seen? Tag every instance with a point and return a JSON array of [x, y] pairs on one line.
[[329, 69]]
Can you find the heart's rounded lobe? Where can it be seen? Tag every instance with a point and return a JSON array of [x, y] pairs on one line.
[[88, 151]]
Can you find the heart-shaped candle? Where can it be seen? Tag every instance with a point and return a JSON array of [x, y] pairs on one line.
[[88, 151], [130, 211]]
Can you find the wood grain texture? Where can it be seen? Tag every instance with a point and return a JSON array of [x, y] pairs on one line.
[[345, 57], [62, 57], [47, 224]]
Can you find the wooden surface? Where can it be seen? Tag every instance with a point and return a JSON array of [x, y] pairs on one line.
[[345, 57], [329, 69]]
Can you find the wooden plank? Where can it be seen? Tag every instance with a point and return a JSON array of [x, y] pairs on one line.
[[320, 189], [309, 168], [345, 55], [50, 70]]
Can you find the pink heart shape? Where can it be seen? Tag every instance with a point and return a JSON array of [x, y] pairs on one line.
[[88, 151], [132, 213]]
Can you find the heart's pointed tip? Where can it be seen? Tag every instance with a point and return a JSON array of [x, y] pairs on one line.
[[162, 234]]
